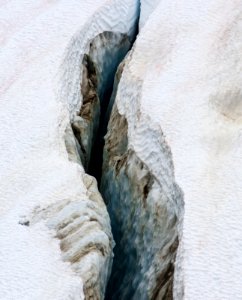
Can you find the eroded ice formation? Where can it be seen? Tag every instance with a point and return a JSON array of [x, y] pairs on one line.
[[174, 139], [144, 207], [82, 226], [56, 240], [84, 142], [98, 68]]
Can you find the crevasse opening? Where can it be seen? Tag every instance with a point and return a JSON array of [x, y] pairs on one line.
[[126, 183], [106, 52]]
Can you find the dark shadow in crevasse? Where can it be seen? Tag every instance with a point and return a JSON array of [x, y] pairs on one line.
[[106, 51]]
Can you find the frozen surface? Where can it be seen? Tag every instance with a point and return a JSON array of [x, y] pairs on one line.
[[146, 9], [184, 80], [42, 44]]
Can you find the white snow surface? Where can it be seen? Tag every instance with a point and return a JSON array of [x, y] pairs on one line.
[[146, 9], [188, 60], [184, 79], [36, 39]]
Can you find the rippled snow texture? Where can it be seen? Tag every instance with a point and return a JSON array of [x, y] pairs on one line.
[[42, 47], [184, 79]]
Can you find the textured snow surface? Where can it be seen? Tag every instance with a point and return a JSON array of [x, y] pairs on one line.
[[42, 45], [146, 8], [184, 79]]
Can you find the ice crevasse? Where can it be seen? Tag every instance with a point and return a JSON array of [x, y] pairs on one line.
[[171, 167], [55, 234]]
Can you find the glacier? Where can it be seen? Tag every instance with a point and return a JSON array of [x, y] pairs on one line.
[[162, 218]]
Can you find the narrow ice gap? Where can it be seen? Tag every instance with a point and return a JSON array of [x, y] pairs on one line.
[[106, 52], [102, 67]]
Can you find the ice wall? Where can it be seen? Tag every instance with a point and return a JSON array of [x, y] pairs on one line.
[[179, 98], [99, 66], [144, 202], [144, 213], [55, 236]]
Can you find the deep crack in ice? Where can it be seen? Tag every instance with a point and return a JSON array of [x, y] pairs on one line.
[[125, 181]]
